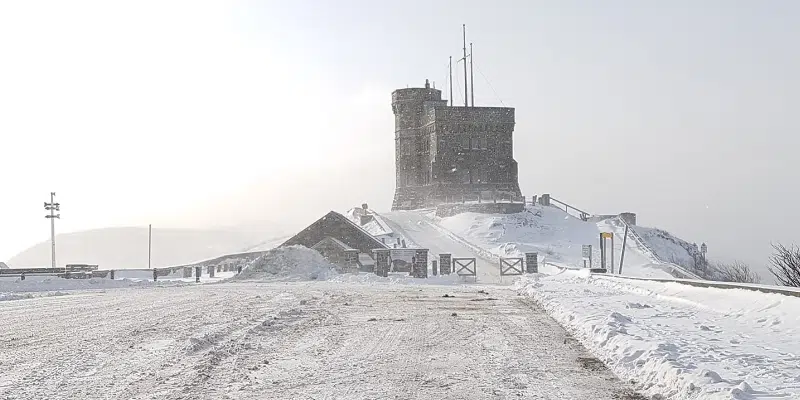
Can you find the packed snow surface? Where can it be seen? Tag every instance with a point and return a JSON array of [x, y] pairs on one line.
[[678, 341], [294, 340]]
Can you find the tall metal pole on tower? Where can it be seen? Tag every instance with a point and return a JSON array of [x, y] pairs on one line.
[[52, 206], [451, 81], [471, 78], [466, 89]]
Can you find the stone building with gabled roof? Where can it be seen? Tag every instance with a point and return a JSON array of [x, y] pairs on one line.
[[338, 239]]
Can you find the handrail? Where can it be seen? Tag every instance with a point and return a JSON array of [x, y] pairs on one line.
[[676, 269], [569, 206]]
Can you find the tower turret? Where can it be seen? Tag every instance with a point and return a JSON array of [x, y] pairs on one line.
[[408, 106]]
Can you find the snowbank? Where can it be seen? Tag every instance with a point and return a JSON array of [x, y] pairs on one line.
[[34, 284], [678, 341], [288, 263]]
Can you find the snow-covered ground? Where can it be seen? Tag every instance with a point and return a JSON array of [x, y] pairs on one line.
[[555, 235], [294, 340], [675, 341], [289, 327], [680, 341]]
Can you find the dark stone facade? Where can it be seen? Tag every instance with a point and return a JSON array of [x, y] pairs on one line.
[[445, 154]]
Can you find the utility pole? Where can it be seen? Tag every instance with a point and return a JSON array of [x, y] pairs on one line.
[[612, 253], [622, 257], [451, 81], [466, 88], [149, 244], [471, 77], [52, 206]]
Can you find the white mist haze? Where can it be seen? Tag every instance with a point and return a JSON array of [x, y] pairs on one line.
[[214, 114]]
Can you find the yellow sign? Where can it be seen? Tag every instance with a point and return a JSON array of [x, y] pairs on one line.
[[606, 235]]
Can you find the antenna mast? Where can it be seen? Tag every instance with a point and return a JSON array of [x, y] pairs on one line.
[[451, 81], [466, 89], [471, 77]]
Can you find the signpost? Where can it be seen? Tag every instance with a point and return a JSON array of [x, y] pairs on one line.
[[586, 252]]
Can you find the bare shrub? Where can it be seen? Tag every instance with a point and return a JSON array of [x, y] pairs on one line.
[[785, 264], [736, 271]]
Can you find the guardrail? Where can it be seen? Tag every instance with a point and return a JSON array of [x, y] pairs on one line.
[[583, 215], [786, 291]]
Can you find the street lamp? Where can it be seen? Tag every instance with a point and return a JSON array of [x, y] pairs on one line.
[[52, 206]]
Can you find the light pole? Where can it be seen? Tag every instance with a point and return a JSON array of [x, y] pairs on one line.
[[52, 206]]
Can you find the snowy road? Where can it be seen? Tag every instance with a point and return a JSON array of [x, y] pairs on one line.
[[293, 341], [423, 233]]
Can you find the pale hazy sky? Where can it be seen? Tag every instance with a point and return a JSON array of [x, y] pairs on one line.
[[213, 113]]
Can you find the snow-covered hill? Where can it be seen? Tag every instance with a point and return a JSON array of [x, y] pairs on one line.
[[555, 235], [121, 248]]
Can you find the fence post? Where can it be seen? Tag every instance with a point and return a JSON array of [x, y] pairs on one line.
[[419, 266], [532, 263], [382, 262], [445, 260]]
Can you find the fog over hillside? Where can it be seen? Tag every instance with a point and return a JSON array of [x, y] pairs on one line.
[[126, 247]]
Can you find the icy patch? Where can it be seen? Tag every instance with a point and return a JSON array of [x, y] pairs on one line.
[[288, 263]]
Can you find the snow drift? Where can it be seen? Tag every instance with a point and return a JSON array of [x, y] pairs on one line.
[[288, 263], [678, 341]]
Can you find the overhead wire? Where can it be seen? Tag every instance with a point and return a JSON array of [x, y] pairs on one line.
[[491, 87]]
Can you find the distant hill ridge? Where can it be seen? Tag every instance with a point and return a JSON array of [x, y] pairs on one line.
[[126, 247]]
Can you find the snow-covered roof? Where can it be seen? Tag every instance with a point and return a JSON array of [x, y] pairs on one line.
[[337, 242]]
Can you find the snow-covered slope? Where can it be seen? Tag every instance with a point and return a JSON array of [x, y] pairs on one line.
[[678, 341], [667, 246], [121, 248], [555, 235]]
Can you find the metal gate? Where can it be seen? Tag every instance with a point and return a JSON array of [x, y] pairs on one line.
[[511, 266], [465, 266]]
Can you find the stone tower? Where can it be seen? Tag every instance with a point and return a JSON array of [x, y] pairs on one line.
[[446, 154]]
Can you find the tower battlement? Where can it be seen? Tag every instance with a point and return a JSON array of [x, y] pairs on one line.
[[444, 153]]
